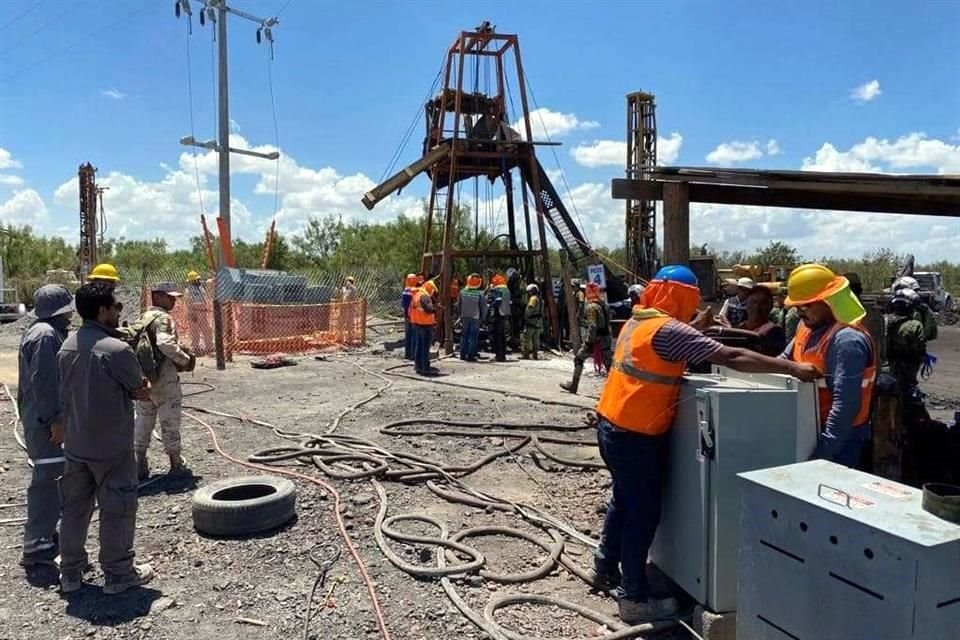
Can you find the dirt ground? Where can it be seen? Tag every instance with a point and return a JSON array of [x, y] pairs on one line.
[[205, 585]]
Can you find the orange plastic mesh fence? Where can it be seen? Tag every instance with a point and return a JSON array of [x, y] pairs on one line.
[[274, 312]]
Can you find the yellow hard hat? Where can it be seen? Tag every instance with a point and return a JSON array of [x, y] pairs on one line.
[[811, 283], [104, 271], [193, 276], [430, 287]]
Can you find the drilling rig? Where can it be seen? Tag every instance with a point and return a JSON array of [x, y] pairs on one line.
[[90, 225], [641, 224], [471, 134]]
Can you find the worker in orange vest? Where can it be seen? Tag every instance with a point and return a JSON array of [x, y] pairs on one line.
[[422, 317], [635, 412], [831, 338]]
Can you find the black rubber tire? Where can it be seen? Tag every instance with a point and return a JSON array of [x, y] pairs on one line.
[[244, 505]]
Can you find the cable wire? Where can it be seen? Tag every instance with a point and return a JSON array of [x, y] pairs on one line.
[[85, 39], [276, 134], [193, 152], [22, 14], [285, 5], [60, 16]]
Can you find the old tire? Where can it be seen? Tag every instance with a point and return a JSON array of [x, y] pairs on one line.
[[244, 505]]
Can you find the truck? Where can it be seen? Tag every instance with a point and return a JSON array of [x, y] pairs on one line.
[[11, 309], [932, 290]]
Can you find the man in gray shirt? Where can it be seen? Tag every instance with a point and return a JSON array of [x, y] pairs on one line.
[[99, 379], [38, 398]]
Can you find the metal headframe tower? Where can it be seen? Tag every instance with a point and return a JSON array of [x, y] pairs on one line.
[[641, 219]]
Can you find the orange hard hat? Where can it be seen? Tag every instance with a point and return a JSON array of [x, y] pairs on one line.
[[498, 280]]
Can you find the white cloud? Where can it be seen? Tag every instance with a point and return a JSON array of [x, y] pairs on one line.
[[552, 124], [7, 161], [773, 147], [24, 207], [734, 152], [668, 149], [234, 126], [601, 153], [613, 153], [914, 152], [11, 180], [866, 92], [113, 93]]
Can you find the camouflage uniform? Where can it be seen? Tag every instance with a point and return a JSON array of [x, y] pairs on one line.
[[595, 329], [533, 324], [166, 398]]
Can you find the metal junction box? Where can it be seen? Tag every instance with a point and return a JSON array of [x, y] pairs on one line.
[[726, 423], [829, 553]]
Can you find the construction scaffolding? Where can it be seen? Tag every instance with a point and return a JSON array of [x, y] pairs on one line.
[[641, 220]]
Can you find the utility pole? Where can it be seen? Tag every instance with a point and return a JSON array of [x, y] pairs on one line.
[[216, 11]]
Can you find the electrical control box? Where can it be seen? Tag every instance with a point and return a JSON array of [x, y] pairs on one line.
[[726, 423], [830, 553]]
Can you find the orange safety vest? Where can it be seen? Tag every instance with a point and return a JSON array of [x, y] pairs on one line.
[[417, 315], [817, 356], [642, 388]]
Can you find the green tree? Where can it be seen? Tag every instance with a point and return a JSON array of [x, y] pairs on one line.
[[776, 254]]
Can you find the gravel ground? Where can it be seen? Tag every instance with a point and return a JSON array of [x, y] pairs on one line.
[[205, 585]]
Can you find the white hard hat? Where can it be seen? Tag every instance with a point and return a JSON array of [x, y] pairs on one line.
[[905, 282], [532, 287], [635, 289], [746, 283]]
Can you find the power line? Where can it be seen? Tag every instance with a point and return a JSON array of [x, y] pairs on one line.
[[285, 5], [196, 166], [22, 14], [86, 39], [276, 131], [42, 26]]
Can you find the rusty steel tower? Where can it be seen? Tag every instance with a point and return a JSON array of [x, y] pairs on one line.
[[469, 135], [90, 197], [641, 220]]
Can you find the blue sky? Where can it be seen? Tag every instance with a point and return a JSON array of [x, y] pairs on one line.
[[755, 84]]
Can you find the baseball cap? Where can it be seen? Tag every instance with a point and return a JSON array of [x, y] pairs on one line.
[[168, 288]]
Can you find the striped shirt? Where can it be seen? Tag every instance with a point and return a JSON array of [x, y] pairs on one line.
[[679, 342]]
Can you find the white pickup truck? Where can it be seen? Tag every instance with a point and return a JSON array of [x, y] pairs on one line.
[[932, 291], [11, 309]]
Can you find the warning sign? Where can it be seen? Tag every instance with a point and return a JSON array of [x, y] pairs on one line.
[[596, 275], [888, 489]]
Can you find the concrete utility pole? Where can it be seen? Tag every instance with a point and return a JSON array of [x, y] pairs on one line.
[[216, 11]]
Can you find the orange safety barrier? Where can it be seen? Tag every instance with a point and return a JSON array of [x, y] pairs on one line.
[[257, 328]]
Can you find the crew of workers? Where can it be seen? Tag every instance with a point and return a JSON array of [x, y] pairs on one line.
[[88, 404]]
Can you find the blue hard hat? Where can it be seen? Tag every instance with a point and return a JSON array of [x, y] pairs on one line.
[[677, 273]]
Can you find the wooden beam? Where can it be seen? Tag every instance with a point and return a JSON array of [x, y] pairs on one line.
[[795, 198], [676, 223]]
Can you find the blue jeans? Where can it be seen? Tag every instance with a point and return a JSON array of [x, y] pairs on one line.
[[637, 464], [408, 340], [469, 338], [843, 446], [422, 343]]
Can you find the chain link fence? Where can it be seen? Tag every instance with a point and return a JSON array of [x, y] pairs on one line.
[[267, 312]]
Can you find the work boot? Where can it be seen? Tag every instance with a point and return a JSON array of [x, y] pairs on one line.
[[42, 552], [178, 468], [70, 581], [603, 581], [638, 611], [140, 575], [574, 384], [143, 466]]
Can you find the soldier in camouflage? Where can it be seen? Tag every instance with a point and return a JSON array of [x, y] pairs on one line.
[[166, 397], [532, 323], [595, 328]]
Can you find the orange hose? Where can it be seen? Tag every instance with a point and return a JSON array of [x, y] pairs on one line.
[[367, 580]]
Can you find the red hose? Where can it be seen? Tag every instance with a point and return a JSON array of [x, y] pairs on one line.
[[367, 580]]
